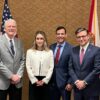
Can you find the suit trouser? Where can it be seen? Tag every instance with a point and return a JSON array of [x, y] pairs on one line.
[[80, 95], [13, 92], [56, 93]]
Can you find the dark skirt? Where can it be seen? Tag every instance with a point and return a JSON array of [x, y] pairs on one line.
[[39, 92]]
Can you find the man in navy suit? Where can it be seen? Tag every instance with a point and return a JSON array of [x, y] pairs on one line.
[[60, 81], [84, 67]]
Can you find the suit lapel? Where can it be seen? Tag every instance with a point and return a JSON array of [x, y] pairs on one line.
[[16, 47], [63, 52], [7, 45], [54, 47], [87, 53], [65, 48], [77, 52], [77, 55]]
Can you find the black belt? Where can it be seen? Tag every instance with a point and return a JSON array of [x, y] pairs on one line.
[[40, 77]]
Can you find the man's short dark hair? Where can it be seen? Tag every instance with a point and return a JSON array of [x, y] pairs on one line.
[[60, 27], [80, 30]]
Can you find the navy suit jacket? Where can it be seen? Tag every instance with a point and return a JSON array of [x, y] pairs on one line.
[[60, 75], [87, 70]]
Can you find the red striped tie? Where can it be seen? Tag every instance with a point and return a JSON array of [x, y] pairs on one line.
[[57, 54]]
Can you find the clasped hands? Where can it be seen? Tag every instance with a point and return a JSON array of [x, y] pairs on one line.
[[80, 84], [15, 79], [39, 83]]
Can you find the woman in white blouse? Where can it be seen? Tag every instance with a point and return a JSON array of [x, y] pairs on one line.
[[39, 65]]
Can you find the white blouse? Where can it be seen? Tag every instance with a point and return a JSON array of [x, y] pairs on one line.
[[39, 63]]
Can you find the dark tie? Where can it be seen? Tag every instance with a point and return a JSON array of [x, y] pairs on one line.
[[12, 47], [81, 55], [57, 54]]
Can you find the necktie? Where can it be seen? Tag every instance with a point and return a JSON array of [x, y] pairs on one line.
[[12, 47], [57, 54], [81, 55]]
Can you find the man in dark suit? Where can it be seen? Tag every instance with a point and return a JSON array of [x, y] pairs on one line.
[[60, 81], [84, 67], [11, 63]]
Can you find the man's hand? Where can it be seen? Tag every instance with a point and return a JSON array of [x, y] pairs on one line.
[[68, 87], [80, 84], [39, 83], [15, 79]]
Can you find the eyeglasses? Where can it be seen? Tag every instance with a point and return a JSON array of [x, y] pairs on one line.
[[79, 37]]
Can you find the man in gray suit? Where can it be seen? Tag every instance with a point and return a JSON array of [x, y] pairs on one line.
[[11, 63]]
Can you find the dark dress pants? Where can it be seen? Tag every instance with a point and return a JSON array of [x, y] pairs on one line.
[[13, 92], [81, 95], [56, 93]]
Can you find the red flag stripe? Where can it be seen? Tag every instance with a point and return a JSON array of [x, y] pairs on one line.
[[91, 15]]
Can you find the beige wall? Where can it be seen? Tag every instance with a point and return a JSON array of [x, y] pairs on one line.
[[46, 15]]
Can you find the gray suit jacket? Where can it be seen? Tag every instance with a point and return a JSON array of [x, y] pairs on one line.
[[10, 64]]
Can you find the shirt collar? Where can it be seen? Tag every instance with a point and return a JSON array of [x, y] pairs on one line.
[[62, 45], [84, 47], [8, 37]]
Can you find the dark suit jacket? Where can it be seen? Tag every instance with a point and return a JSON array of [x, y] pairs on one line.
[[60, 75], [88, 69]]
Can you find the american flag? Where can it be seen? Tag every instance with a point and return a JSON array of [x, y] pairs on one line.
[[6, 15]]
